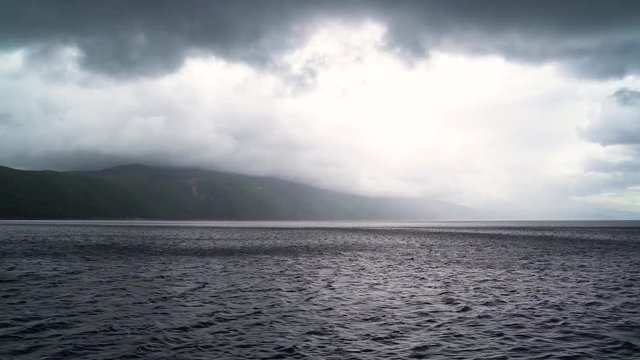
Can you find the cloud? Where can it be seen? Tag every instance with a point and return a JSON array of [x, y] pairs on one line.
[[628, 199], [616, 129], [149, 37], [124, 38], [619, 121], [627, 97]]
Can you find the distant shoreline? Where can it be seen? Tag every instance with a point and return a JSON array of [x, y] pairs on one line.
[[382, 224]]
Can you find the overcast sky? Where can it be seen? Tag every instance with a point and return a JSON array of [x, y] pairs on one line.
[[527, 107]]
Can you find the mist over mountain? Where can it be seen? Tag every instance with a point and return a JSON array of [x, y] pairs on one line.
[[146, 192], [525, 110]]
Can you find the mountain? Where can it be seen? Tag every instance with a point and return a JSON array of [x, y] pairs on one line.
[[147, 192], [55, 195]]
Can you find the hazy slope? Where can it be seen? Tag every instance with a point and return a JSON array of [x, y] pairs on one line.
[[182, 193]]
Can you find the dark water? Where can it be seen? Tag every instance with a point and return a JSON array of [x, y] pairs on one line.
[[368, 291]]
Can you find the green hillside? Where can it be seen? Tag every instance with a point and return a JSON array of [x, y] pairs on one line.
[[139, 191], [55, 195]]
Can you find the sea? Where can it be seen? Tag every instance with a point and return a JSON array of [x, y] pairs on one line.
[[319, 290]]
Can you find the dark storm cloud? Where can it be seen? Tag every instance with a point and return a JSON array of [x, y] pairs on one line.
[[597, 38], [146, 37], [594, 38]]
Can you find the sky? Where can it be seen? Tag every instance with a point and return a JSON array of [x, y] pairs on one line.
[[524, 109]]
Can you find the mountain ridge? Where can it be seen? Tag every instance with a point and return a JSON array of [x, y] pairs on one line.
[[173, 193]]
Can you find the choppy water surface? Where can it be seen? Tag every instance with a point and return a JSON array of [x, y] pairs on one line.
[[154, 290]]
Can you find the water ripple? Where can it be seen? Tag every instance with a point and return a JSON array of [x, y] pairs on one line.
[[456, 292]]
